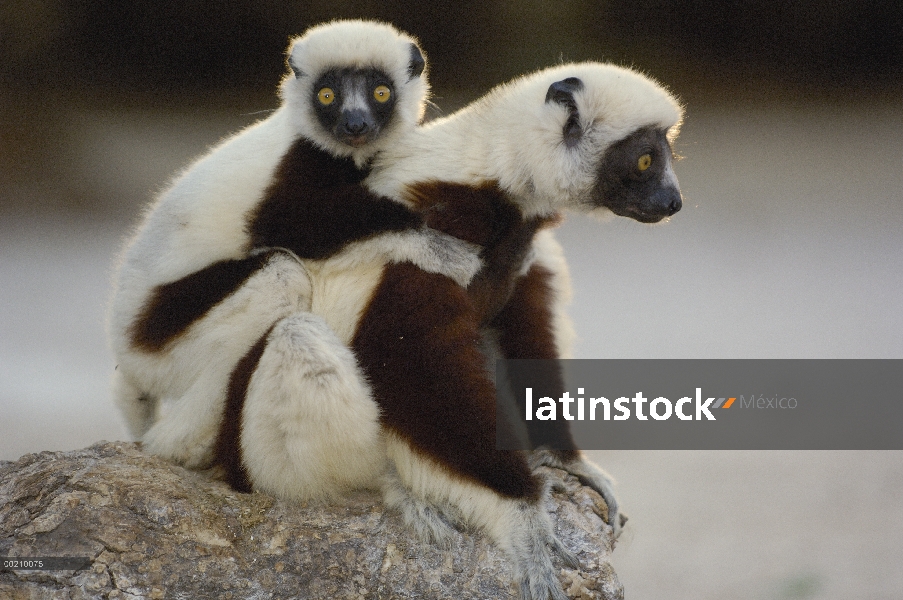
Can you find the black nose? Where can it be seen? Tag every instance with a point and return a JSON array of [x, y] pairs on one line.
[[666, 201], [354, 122]]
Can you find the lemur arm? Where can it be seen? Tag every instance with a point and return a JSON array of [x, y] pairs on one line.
[[526, 329], [317, 204]]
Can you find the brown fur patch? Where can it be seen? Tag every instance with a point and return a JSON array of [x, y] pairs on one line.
[[525, 325], [316, 205], [227, 452], [477, 214], [484, 215], [419, 346], [173, 307], [518, 307], [526, 330]]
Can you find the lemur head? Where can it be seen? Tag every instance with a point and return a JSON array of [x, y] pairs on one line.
[[353, 84], [602, 141]]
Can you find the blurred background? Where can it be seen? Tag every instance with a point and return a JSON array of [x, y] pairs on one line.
[[790, 243]]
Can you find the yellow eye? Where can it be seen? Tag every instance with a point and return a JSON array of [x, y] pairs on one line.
[[644, 162], [381, 93], [326, 96]]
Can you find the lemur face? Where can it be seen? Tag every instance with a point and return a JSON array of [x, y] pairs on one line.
[[353, 86], [633, 176], [354, 105]]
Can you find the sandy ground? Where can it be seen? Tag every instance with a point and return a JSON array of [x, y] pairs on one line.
[[789, 246]]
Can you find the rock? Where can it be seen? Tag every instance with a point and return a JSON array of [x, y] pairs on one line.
[[155, 530]]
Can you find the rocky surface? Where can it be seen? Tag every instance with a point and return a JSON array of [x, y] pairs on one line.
[[154, 530]]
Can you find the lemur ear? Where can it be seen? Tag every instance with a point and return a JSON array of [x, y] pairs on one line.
[[417, 64], [562, 92], [294, 49], [295, 69]]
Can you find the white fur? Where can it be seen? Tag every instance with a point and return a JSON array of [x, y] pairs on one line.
[[307, 404]]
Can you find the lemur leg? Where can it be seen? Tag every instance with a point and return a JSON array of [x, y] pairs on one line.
[[526, 328], [186, 428], [308, 427], [418, 343], [520, 526], [190, 373]]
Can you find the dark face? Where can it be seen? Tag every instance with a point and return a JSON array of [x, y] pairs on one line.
[[354, 105], [635, 178]]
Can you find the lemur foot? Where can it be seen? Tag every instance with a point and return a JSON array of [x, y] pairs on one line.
[[589, 475], [428, 522], [532, 544]]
